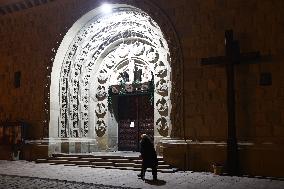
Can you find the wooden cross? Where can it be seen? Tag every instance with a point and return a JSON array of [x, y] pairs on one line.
[[232, 58]]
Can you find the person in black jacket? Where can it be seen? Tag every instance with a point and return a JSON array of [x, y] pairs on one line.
[[149, 157]]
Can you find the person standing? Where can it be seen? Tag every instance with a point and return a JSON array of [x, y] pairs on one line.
[[149, 157]]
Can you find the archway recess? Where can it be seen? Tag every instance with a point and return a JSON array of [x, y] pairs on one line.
[[95, 54]]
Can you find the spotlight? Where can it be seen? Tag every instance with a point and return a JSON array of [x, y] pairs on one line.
[[106, 8]]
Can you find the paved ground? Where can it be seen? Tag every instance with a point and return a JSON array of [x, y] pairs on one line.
[[23, 174], [42, 183]]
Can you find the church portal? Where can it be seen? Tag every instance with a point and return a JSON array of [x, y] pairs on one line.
[[110, 82]]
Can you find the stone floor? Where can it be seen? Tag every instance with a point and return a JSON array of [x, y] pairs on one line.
[[23, 174]]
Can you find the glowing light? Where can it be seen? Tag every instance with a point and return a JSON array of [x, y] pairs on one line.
[[106, 8]]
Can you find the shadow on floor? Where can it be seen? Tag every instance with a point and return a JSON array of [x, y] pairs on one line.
[[156, 183]]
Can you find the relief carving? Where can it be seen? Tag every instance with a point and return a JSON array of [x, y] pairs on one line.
[[101, 110], [162, 87], [101, 94], [100, 127], [162, 126], [162, 107], [98, 43]]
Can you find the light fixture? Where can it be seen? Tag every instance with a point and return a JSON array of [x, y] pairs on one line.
[[106, 8]]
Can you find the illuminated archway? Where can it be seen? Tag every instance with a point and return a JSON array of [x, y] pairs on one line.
[[90, 59]]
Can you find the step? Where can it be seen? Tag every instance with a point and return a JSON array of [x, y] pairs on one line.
[[159, 166], [65, 164], [164, 166], [64, 158], [124, 164], [41, 161], [89, 165], [73, 155], [136, 165], [93, 159], [132, 157], [137, 161], [102, 163], [109, 157], [160, 158], [167, 170], [56, 161], [128, 168], [69, 164], [102, 166], [80, 162], [120, 160]]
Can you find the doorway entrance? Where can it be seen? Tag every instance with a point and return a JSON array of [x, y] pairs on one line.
[[135, 117], [129, 46]]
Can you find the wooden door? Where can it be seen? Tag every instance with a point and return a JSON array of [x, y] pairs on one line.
[[136, 116]]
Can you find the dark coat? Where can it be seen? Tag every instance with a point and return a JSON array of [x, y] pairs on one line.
[[148, 153]]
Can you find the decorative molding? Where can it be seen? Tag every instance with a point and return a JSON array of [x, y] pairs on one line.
[[175, 58]]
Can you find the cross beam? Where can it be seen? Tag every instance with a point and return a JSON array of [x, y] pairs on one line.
[[231, 58]]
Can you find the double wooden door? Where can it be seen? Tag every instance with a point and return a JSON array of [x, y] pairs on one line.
[[136, 117]]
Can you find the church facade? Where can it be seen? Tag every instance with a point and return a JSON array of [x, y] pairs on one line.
[[86, 76]]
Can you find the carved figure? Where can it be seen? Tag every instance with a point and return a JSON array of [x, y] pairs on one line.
[[101, 110], [100, 127], [162, 125], [101, 94], [162, 87], [162, 106]]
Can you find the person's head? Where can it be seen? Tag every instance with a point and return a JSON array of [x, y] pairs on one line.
[[143, 136]]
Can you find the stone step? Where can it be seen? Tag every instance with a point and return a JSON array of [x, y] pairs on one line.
[[116, 162], [41, 161], [132, 157], [73, 155], [140, 162], [136, 165], [106, 163], [164, 166], [136, 169], [64, 158], [93, 159], [159, 166], [57, 161], [110, 157], [88, 165], [65, 164], [69, 164], [80, 162], [120, 160], [124, 164], [167, 170], [102, 166], [127, 168]]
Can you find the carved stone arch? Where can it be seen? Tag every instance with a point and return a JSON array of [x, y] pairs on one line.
[[176, 55], [80, 111]]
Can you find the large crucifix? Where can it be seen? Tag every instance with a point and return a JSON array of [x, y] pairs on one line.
[[232, 58]]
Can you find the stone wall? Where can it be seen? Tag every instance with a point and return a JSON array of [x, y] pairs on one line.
[[28, 37], [258, 26]]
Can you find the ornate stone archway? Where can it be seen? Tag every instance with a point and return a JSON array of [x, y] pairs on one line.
[[92, 57]]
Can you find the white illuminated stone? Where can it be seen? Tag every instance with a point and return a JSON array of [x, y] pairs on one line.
[[106, 8], [109, 50]]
